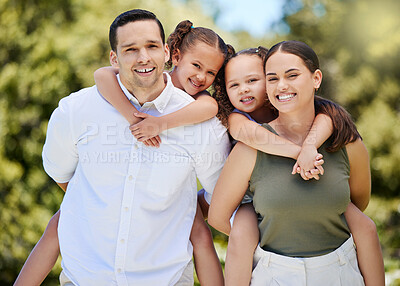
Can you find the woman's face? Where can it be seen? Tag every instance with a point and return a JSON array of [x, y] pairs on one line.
[[245, 82], [290, 84]]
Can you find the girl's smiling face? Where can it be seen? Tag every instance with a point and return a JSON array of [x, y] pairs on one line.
[[245, 82], [290, 84], [196, 68]]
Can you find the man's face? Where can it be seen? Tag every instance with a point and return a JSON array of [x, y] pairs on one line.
[[140, 55]]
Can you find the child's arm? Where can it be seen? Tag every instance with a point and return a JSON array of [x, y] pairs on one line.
[[320, 131], [257, 137], [42, 258], [369, 253], [252, 134], [364, 232], [108, 86], [202, 109]]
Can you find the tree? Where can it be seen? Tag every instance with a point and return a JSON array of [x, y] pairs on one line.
[[358, 43], [49, 49]]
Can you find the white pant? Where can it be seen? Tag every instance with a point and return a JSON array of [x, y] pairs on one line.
[[185, 280], [338, 268]]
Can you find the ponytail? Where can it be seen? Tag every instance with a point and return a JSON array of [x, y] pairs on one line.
[[174, 40], [344, 129]]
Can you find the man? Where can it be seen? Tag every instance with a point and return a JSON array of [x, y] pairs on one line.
[[127, 215]]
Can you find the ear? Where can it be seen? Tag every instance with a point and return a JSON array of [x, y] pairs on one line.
[[176, 57], [167, 53], [317, 78], [114, 59]]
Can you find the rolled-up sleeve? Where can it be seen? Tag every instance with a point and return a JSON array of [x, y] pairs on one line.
[[60, 156], [212, 158]]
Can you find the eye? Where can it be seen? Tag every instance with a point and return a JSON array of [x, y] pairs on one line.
[[272, 79], [197, 66], [294, 75], [233, 85], [211, 73], [130, 49], [253, 80]]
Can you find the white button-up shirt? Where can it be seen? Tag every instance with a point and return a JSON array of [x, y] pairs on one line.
[[128, 211]]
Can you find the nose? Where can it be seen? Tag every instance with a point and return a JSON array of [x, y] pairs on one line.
[[282, 85], [243, 89], [143, 56], [200, 77]]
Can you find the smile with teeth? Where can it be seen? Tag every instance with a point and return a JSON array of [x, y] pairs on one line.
[[145, 70], [247, 99], [194, 84], [286, 96]]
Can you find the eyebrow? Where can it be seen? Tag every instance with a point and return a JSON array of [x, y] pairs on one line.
[[247, 77], [289, 70], [147, 42]]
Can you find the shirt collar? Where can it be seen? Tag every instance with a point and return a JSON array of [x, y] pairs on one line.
[[160, 102]]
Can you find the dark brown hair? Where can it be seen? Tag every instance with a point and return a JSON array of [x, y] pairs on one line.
[[185, 36], [220, 94], [128, 17], [344, 129]]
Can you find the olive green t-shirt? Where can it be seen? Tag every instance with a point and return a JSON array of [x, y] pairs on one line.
[[301, 218]]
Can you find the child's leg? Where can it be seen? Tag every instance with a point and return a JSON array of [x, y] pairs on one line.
[[207, 265], [43, 256], [243, 240], [369, 253]]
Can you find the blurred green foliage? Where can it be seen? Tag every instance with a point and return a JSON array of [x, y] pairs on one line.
[[49, 49]]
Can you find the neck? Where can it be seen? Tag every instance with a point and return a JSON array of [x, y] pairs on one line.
[[146, 94], [263, 114], [174, 78], [295, 127]]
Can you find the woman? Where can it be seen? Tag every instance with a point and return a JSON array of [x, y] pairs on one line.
[[304, 237]]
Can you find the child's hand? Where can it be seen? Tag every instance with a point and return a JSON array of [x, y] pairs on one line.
[[147, 129], [153, 142], [309, 163]]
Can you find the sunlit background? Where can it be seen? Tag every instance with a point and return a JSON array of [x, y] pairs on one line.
[[49, 48]]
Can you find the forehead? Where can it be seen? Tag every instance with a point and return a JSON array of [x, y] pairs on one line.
[[138, 32], [281, 61], [245, 62], [208, 55]]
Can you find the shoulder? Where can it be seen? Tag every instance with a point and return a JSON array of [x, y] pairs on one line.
[[180, 97], [357, 151], [80, 97]]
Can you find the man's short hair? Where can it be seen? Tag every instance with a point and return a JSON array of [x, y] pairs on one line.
[[132, 16]]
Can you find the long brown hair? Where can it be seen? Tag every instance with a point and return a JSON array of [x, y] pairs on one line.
[[344, 129]]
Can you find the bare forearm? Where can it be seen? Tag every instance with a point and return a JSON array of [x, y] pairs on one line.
[[321, 130], [258, 137], [108, 86], [196, 112]]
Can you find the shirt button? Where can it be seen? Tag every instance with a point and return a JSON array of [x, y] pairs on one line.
[[119, 270], [122, 240], [126, 209], [135, 146], [130, 178]]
